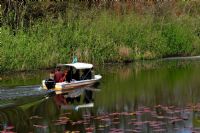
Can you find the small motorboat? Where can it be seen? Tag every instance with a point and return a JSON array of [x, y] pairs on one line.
[[79, 75]]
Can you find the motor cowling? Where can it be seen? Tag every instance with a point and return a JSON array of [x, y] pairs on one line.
[[50, 83]]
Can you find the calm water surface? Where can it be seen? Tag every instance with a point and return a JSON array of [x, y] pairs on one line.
[[150, 96]]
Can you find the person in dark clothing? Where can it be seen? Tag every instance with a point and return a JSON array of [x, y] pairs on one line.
[[69, 75], [77, 75], [58, 75]]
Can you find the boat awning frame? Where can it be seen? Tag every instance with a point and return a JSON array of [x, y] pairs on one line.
[[77, 65]]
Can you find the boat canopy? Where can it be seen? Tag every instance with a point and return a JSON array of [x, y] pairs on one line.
[[77, 65]]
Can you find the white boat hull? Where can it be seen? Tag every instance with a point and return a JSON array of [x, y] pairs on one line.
[[63, 87]]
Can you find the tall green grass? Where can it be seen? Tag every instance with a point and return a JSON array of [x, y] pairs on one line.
[[99, 38]]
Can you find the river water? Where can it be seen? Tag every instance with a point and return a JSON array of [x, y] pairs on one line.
[[145, 96]]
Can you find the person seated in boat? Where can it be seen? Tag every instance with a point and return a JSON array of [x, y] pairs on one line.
[[69, 75], [58, 75], [51, 75], [64, 78], [76, 76]]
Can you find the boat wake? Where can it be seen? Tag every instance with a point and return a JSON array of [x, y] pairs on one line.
[[21, 91]]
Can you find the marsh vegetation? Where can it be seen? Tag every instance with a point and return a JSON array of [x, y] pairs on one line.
[[40, 34]]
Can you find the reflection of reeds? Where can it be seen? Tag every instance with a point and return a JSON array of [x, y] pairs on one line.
[[150, 82], [125, 73]]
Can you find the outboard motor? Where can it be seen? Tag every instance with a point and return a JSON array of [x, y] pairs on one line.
[[50, 83]]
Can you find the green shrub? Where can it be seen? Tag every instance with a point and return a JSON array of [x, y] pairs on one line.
[[178, 38], [98, 38]]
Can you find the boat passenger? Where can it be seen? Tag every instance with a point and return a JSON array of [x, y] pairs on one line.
[[51, 75], [64, 78], [69, 75], [76, 76], [58, 75]]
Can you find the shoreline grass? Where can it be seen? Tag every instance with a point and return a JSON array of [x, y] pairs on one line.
[[99, 37]]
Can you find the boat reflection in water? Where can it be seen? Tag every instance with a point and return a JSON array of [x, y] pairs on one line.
[[79, 98], [38, 113]]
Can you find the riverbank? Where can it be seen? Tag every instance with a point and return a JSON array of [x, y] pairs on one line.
[[100, 36]]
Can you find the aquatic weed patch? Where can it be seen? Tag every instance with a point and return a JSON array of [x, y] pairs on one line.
[[160, 118]]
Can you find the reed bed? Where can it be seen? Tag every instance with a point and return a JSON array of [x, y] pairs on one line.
[[100, 36]]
